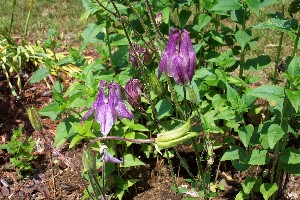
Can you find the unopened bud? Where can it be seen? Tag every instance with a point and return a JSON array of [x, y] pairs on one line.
[[192, 95], [34, 118], [158, 17], [133, 92]]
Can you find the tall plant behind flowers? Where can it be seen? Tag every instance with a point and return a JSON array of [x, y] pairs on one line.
[[168, 61]]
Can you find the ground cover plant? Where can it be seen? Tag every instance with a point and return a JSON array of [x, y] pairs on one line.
[[177, 81]]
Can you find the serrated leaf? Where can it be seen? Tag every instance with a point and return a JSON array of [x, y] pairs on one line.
[[275, 133], [203, 20], [277, 24], [268, 190], [256, 64], [269, 92], [294, 67], [294, 97], [51, 111], [235, 153], [245, 134], [130, 161]]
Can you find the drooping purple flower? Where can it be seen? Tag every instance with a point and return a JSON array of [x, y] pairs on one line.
[[179, 59], [138, 52], [133, 95], [106, 157], [107, 109]]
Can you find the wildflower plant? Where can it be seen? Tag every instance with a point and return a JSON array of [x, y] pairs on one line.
[[207, 107]]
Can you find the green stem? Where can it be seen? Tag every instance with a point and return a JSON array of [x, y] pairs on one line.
[[172, 170], [108, 40], [278, 50], [175, 98], [296, 42], [27, 21], [243, 50]]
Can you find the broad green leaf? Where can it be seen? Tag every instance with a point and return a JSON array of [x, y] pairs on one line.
[[275, 133], [290, 156], [184, 16], [256, 64], [248, 184], [294, 97], [253, 5], [245, 134], [233, 97], [131, 161], [294, 67], [120, 57], [258, 157], [39, 75], [90, 80], [119, 40], [139, 127], [164, 108], [234, 153], [203, 20], [242, 38], [240, 166], [166, 14], [52, 111], [225, 5], [269, 92], [90, 6], [94, 34], [277, 24], [268, 190]]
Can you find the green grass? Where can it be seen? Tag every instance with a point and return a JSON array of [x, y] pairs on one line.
[[63, 15]]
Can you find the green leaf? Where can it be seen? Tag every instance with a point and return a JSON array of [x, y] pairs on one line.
[[245, 134], [269, 92], [120, 57], [39, 75], [294, 67], [203, 20], [242, 38], [235, 153], [268, 190], [166, 14], [52, 110], [233, 97], [131, 161], [294, 97], [164, 108], [256, 64], [119, 40], [258, 157], [139, 127], [184, 16], [62, 131], [253, 5], [277, 24], [275, 133], [248, 184], [225, 5], [94, 34], [290, 155]]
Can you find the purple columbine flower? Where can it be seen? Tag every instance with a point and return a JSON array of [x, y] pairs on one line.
[[107, 109], [133, 95], [179, 59], [138, 52], [107, 157]]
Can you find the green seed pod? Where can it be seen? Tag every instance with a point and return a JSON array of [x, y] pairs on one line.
[[174, 134], [34, 118], [193, 96], [89, 161], [154, 84], [178, 141]]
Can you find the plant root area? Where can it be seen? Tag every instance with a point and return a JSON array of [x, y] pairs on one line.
[[52, 178]]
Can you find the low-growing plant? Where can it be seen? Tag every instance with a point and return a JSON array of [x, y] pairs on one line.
[[21, 149]]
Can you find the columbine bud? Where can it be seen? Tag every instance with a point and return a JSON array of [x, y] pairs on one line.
[[179, 59], [133, 92], [34, 118], [138, 52], [106, 157], [158, 17]]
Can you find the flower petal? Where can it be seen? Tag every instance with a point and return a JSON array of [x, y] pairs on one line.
[[108, 158], [188, 51], [105, 116], [119, 105], [178, 71]]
